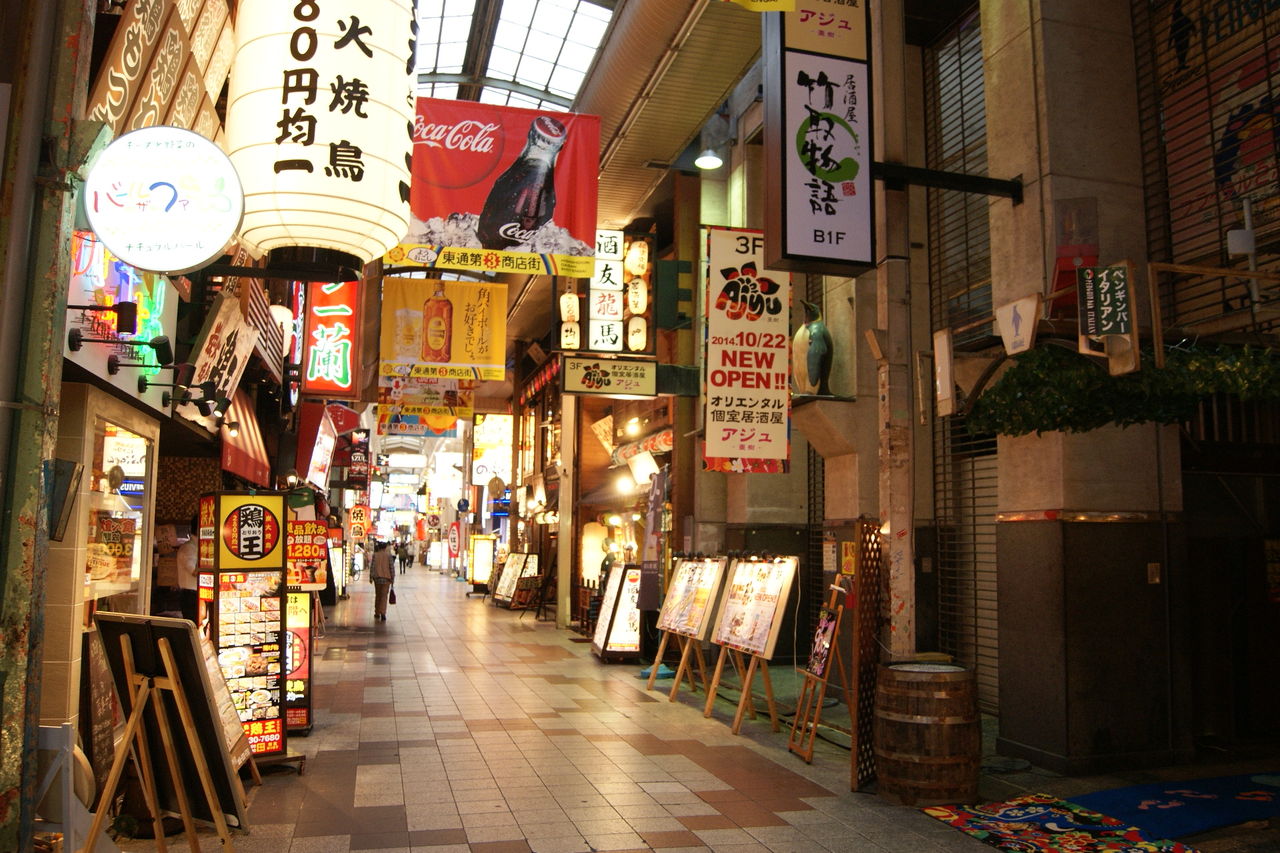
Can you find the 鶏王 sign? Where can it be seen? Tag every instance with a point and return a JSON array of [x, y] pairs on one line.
[[818, 198], [747, 397]]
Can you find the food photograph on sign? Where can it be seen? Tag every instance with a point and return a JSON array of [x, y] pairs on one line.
[[250, 630], [501, 189], [750, 616]]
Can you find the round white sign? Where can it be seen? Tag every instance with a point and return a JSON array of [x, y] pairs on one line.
[[164, 199]]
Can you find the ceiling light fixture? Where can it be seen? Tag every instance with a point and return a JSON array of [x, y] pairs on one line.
[[708, 159]]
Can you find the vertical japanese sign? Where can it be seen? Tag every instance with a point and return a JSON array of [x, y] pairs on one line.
[[318, 94], [618, 315], [443, 330], [747, 400], [502, 189], [297, 661], [1102, 295], [818, 198], [331, 340], [224, 348]]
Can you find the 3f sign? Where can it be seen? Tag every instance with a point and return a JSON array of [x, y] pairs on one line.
[[749, 244]]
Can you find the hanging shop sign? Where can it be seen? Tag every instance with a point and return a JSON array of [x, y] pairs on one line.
[[224, 348], [614, 314], [443, 329], [163, 199], [820, 215], [622, 379], [331, 340], [358, 464], [314, 88], [321, 457], [491, 438], [766, 5], [747, 399], [100, 279], [1017, 321], [1102, 298], [502, 189], [359, 521]]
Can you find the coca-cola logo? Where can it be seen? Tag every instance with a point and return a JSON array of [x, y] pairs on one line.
[[456, 154], [465, 135], [512, 231]]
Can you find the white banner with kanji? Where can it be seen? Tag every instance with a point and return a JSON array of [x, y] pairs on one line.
[[747, 364]]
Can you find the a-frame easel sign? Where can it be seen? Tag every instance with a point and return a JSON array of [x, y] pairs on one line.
[[824, 659], [172, 727], [687, 615], [747, 628]]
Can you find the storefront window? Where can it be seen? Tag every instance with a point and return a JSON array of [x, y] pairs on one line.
[[117, 517]]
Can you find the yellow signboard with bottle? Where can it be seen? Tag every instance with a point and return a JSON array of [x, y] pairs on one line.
[[443, 330]]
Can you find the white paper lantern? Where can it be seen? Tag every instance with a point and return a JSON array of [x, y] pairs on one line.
[[637, 334], [637, 295], [318, 119]]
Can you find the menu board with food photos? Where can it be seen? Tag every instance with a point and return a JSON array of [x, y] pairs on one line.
[[250, 642], [511, 573]]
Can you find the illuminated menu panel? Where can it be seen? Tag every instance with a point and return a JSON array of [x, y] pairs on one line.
[[250, 652]]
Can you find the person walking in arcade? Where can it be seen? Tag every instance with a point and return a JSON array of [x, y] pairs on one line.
[[383, 575]]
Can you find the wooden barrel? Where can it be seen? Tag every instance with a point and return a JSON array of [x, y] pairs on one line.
[[928, 736]]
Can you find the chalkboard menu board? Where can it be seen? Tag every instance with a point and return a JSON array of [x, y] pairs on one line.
[[143, 635], [98, 712]]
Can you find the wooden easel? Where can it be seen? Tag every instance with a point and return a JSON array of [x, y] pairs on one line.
[[804, 726], [689, 647], [141, 689], [747, 672]]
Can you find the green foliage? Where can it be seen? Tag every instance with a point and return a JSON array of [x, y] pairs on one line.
[[1051, 388]]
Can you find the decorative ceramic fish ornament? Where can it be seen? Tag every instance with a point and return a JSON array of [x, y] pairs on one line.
[[811, 354]]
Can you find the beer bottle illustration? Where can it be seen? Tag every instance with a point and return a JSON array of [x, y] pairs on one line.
[[524, 196], [437, 326]]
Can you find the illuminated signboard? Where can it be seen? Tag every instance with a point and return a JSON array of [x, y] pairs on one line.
[[331, 342], [163, 199]]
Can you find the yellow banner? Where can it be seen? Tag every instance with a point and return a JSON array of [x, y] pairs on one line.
[[491, 260], [442, 329], [766, 5]]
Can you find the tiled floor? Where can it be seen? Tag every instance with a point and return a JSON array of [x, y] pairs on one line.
[[457, 726]]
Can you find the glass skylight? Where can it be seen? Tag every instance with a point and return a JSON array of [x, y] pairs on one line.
[[541, 49]]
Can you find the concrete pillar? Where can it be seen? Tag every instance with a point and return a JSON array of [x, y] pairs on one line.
[[893, 321], [1084, 549]]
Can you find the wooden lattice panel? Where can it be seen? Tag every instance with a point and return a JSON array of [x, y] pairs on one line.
[[866, 650]]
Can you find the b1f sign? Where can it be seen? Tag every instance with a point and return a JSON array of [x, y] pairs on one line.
[[818, 104]]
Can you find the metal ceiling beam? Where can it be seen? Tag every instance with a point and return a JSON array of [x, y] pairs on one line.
[[484, 28]]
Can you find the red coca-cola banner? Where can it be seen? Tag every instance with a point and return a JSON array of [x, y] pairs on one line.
[[510, 189]]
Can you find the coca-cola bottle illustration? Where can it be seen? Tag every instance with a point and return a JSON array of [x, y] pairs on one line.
[[437, 327], [524, 197]]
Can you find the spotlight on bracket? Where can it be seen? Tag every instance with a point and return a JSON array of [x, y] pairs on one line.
[[126, 315], [160, 344]]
